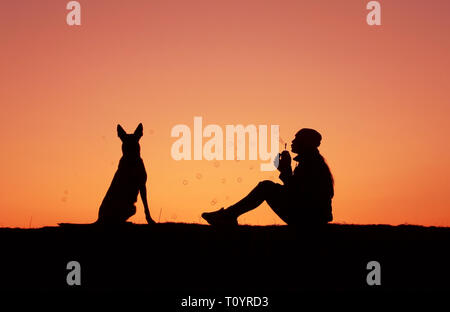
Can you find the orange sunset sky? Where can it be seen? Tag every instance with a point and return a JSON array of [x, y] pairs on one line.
[[378, 94]]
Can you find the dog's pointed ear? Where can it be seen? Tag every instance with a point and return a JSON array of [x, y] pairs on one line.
[[139, 132], [121, 133]]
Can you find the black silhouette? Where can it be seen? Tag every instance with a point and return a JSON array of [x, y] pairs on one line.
[[304, 199], [129, 180]]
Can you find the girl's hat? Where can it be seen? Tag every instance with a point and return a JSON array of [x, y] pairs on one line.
[[309, 137]]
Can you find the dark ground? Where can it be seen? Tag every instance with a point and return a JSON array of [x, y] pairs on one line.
[[187, 259]]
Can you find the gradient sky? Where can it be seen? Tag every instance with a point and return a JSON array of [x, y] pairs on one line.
[[379, 96]]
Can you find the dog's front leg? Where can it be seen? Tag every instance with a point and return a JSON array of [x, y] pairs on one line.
[[143, 192]]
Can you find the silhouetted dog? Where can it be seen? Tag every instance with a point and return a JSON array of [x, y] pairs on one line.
[[130, 178]]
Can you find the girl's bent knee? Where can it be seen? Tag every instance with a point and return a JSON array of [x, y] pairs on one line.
[[266, 184]]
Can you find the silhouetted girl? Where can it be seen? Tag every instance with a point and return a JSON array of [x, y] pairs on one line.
[[304, 199]]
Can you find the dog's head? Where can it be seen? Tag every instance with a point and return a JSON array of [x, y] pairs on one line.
[[130, 142]]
